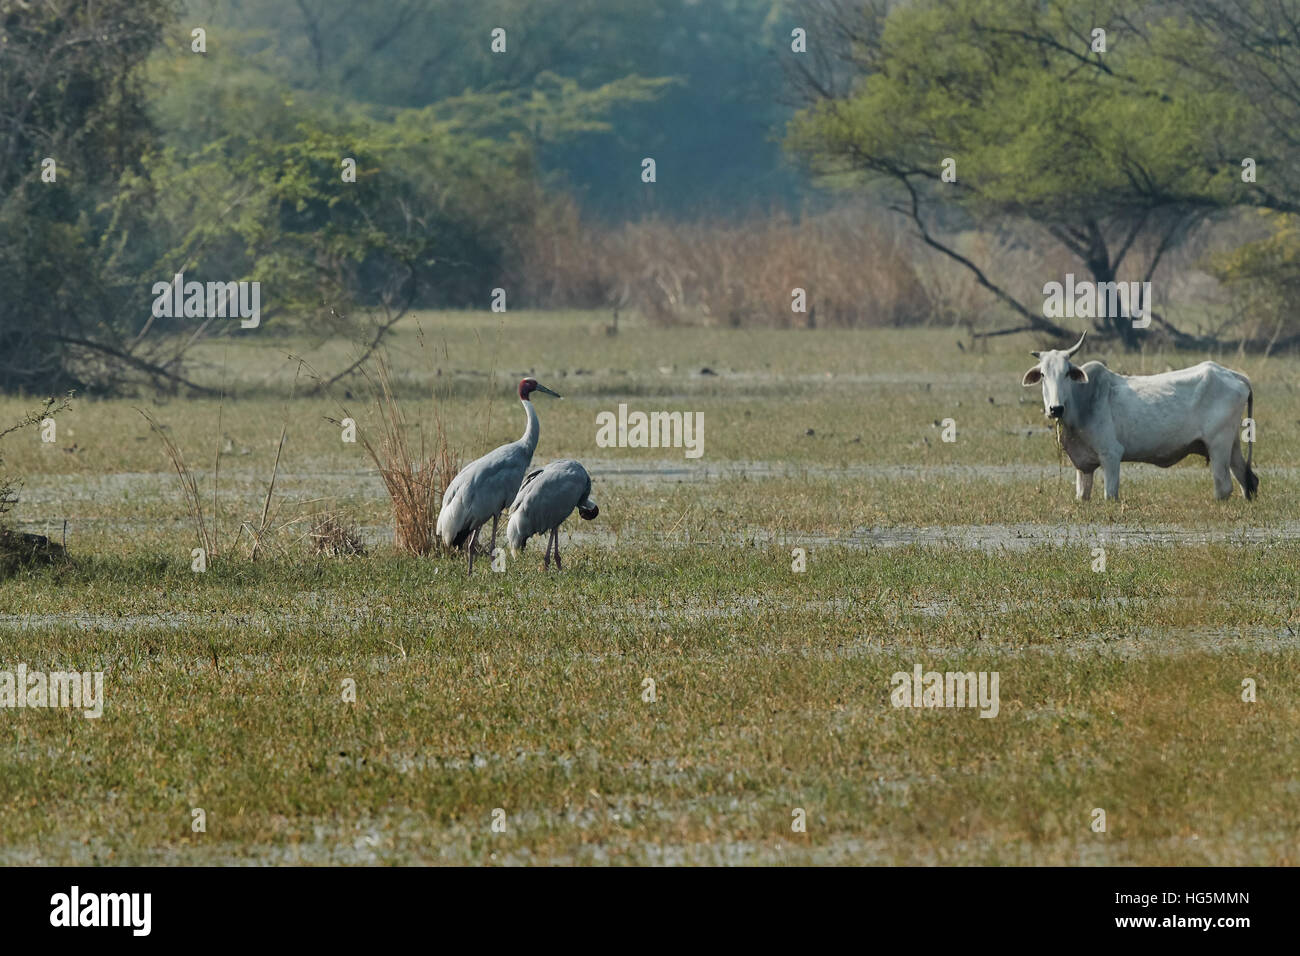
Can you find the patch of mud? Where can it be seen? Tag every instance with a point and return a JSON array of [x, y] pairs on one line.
[[632, 471], [989, 538], [403, 836], [1025, 537], [164, 486], [322, 480]]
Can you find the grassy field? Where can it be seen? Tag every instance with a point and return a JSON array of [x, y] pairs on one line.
[[525, 692]]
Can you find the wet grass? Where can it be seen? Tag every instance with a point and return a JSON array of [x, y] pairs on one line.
[[1119, 690]]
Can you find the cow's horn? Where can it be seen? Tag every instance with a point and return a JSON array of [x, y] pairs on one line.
[[1078, 343]]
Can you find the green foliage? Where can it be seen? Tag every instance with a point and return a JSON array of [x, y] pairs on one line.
[[1107, 151], [70, 92], [711, 129], [213, 166], [1265, 273], [247, 183], [427, 216], [1039, 125], [553, 110]]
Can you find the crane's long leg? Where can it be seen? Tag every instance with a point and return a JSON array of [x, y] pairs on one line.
[[492, 551], [556, 533], [473, 540], [546, 558]]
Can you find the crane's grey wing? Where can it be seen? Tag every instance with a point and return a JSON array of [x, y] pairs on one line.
[[483, 488], [453, 487], [495, 478], [546, 498], [559, 490], [450, 515], [523, 487], [587, 507], [525, 512]]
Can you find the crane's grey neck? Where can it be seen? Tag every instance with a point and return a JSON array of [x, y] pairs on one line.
[[531, 432]]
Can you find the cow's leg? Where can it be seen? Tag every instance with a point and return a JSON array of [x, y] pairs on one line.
[[1220, 465], [1218, 450], [1082, 484], [1110, 468], [1246, 477]]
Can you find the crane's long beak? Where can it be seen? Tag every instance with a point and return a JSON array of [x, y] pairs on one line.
[[543, 388]]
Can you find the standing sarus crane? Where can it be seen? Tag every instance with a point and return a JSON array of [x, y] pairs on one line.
[[486, 487], [546, 498]]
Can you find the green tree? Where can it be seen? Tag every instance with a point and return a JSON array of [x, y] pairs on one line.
[[250, 185], [711, 131], [73, 122], [1252, 48], [1103, 152], [170, 161]]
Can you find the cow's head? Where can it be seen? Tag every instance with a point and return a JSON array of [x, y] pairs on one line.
[[1058, 376]]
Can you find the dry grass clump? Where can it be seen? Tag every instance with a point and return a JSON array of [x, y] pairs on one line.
[[206, 525], [204, 530], [334, 536], [414, 475]]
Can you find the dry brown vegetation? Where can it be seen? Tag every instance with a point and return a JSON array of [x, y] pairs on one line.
[[336, 536], [415, 474], [855, 272], [861, 267]]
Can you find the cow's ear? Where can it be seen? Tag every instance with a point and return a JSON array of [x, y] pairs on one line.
[[1033, 376], [1077, 374]]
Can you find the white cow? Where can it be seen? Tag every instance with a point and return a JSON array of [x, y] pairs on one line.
[[1107, 418]]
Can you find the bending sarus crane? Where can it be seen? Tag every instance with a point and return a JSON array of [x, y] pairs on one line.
[[486, 487], [547, 497]]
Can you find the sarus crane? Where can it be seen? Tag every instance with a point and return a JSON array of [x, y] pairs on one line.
[[486, 486], [547, 497]]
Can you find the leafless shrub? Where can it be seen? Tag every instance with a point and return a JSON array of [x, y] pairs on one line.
[[8, 483], [415, 475], [563, 262], [19, 549], [205, 524], [189, 487], [335, 536]]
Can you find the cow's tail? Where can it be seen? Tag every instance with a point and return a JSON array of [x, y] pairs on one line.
[[1252, 479]]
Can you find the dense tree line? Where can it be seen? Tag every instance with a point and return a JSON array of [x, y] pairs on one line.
[[354, 163], [359, 162], [1110, 129]]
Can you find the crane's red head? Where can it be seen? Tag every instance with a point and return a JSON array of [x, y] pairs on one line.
[[529, 385]]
